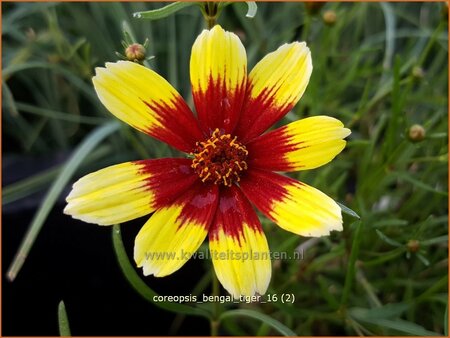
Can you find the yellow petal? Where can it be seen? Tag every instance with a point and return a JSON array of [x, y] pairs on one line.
[[305, 144], [242, 268], [129, 190], [146, 101], [276, 84], [238, 247], [307, 211], [293, 205], [218, 75], [174, 233]]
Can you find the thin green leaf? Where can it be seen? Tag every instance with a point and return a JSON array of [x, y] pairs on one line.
[[389, 18], [28, 108], [385, 257], [390, 223], [141, 287], [127, 34], [423, 259], [75, 80], [8, 100], [350, 275], [29, 185], [63, 321], [400, 325], [41, 180], [252, 9], [80, 153], [420, 184], [326, 294], [438, 286], [387, 311], [164, 11], [275, 324], [386, 239], [348, 211]]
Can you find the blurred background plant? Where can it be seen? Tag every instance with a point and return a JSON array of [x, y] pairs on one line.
[[381, 68]]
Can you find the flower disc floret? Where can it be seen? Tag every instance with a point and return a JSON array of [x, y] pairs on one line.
[[220, 159]]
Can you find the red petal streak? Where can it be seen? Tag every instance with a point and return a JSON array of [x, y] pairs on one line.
[[233, 210], [178, 126], [259, 113], [268, 151], [219, 106], [199, 204], [169, 177]]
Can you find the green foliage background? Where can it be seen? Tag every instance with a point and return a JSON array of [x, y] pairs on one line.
[[380, 68]]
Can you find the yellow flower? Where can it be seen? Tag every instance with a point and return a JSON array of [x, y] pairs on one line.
[[230, 163]]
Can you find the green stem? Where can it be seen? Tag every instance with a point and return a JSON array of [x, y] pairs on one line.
[[210, 22], [216, 306], [351, 269], [141, 287], [306, 28], [210, 11]]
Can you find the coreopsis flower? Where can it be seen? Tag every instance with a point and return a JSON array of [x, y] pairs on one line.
[[229, 166]]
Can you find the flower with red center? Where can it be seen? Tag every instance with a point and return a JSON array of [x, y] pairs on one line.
[[230, 163]]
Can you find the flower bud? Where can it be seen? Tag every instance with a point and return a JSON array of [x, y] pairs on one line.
[[313, 7], [135, 52], [413, 245], [416, 133], [418, 73], [329, 17]]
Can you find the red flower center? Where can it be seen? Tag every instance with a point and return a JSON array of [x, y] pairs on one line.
[[220, 159]]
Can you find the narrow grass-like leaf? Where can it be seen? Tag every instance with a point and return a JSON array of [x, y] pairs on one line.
[[30, 185], [139, 285], [75, 80], [436, 240], [401, 326], [389, 19], [163, 12], [350, 275], [387, 311], [275, 324], [252, 9], [28, 108], [385, 257], [423, 259], [348, 211], [63, 321], [388, 240], [329, 297], [440, 285], [83, 150], [8, 100], [390, 223], [407, 177]]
